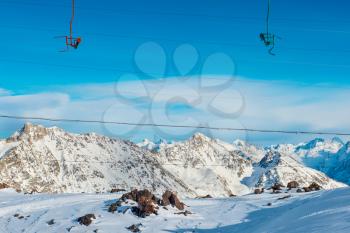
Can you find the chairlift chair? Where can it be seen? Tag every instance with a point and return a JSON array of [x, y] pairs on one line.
[[268, 38], [70, 40]]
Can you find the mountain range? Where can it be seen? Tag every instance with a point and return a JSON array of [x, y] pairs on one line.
[[39, 159]]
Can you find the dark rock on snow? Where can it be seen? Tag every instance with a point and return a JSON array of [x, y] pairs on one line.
[[134, 228], [170, 198], [292, 185], [86, 220], [116, 190]]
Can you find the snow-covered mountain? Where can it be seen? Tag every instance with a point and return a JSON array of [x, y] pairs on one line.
[[331, 157], [335, 163], [210, 164], [278, 167], [51, 160]]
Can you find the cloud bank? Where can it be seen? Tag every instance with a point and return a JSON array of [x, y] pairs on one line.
[[210, 101]]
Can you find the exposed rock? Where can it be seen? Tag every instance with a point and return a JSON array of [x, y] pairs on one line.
[[4, 186], [285, 197], [299, 190], [259, 191], [312, 187], [292, 185], [145, 199], [33, 191], [277, 187], [18, 216], [114, 207], [166, 198], [135, 195], [147, 203], [315, 187], [145, 207], [116, 190], [134, 228], [185, 213], [51, 222], [86, 220], [206, 197], [170, 198]]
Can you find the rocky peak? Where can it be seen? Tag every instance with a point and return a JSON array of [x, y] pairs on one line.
[[347, 147], [337, 140], [271, 159], [239, 143], [29, 132], [34, 132], [199, 138], [344, 152], [312, 144]]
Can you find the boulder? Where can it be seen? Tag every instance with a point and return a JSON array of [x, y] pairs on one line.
[[135, 228], [86, 220], [51, 222], [146, 207], [315, 187], [312, 187], [114, 207], [258, 191], [277, 187], [145, 199], [170, 198], [135, 195], [4, 186], [292, 185]]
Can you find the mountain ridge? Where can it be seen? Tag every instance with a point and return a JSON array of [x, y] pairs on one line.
[[52, 160]]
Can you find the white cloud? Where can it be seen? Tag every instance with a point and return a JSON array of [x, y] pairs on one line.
[[4, 92], [263, 105]]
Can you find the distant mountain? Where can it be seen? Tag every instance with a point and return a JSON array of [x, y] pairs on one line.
[[278, 167], [334, 164], [237, 167], [331, 157], [51, 160]]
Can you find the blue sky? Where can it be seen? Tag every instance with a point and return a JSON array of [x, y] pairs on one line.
[[314, 49]]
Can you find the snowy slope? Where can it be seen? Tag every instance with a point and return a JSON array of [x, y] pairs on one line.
[[321, 212], [6, 147]]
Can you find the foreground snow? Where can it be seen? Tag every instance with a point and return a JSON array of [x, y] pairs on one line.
[[325, 211]]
